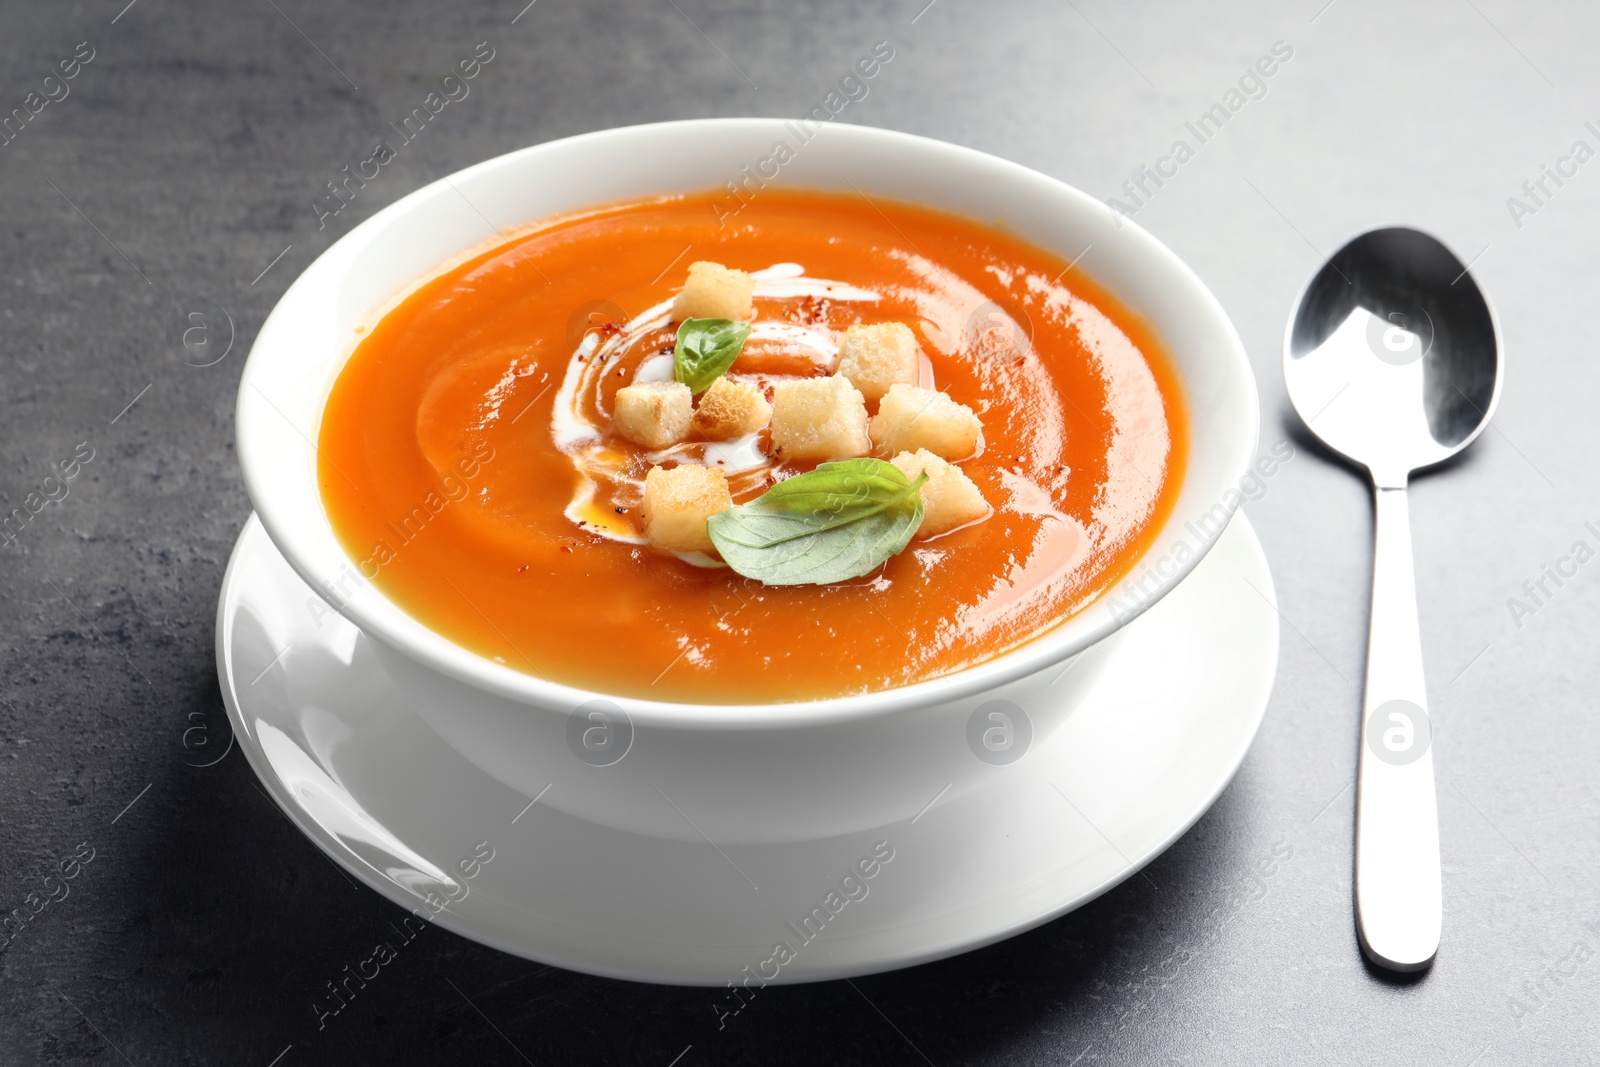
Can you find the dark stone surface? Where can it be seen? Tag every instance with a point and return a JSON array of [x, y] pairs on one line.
[[188, 155]]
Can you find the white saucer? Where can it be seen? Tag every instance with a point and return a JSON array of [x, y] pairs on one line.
[[1160, 734]]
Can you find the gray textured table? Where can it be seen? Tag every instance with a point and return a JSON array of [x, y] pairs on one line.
[[171, 183]]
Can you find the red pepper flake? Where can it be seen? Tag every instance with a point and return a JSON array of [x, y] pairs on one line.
[[811, 310]]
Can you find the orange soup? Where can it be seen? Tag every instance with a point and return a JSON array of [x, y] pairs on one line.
[[472, 468]]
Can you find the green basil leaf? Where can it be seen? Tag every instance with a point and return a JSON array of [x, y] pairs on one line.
[[837, 522], [706, 349]]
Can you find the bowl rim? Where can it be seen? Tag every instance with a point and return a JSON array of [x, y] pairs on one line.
[[432, 650]]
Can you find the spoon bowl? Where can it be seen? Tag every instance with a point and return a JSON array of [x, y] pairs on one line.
[[1392, 355]]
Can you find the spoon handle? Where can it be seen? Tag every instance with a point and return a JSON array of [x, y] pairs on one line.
[[1398, 892]]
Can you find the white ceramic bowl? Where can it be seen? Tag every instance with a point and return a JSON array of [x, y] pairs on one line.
[[728, 773]]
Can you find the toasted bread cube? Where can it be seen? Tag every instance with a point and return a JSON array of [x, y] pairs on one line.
[[730, 409], [677, 503], [876, 357], [715, 292], [653, 414], [949, 499], [816, 419], [910, 418]]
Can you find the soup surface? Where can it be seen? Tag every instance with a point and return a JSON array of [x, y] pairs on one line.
[[469, 467]]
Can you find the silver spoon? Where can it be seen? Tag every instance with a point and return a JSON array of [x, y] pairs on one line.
[[1392, 358]]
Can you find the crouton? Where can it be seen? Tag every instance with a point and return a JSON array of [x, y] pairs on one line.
[[876, 357], [653, 414], [677, 503], [715, 292], [910, 418], [818, 419], [731, 409], [949, 499]]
